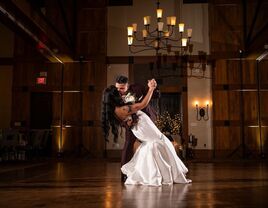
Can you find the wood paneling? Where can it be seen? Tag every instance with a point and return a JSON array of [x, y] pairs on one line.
[[71, 107], [236, 109], [83, 80], [53, 75], [237, 25], [226, 137], [92, 140], [249, 73], [72, 76], [92, 32], [89, 44], [94, 16], [264, 139], [221, 101], [250, 106], [220, 75], [224, 19], [234, 105], [263, 105], [81, 102], [252, 139], [263, 65]]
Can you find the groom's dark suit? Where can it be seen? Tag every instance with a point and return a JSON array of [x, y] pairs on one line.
[[139, 91]]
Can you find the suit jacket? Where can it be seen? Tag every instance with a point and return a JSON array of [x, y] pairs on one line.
[[140, 91]]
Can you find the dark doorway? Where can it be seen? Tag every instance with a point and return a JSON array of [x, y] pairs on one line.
[[40, 123], [170, 102], [41, 110]]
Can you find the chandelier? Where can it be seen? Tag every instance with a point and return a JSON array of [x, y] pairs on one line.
[[162, 38]]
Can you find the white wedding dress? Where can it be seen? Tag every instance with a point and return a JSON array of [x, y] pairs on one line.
[[155, 162]]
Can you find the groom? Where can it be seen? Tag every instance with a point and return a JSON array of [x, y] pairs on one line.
[[133, 93]]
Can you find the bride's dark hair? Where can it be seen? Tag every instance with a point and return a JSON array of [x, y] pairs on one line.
[[111, 98]]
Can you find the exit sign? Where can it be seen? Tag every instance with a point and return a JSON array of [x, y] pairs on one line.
[[41, 80]]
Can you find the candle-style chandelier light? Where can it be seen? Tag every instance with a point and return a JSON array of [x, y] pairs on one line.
[[161, 38]]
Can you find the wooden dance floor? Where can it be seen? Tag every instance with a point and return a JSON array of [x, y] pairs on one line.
[[96, 183]]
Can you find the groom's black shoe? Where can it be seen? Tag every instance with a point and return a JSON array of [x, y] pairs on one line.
[[123, 177]]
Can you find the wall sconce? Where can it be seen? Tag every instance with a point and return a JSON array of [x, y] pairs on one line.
[[202, 112]]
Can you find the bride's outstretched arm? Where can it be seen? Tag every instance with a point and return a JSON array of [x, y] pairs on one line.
[[138, 106]]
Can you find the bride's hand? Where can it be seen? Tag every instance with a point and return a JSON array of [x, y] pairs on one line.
[[152, 83]]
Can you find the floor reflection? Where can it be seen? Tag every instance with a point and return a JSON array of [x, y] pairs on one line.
[[151, 197]]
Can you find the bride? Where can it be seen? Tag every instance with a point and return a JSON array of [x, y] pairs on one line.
[[155, 162]]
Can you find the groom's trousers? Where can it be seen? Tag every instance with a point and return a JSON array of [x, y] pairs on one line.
[[128, 149]]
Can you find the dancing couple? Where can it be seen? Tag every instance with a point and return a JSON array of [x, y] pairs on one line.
[[155, 162]]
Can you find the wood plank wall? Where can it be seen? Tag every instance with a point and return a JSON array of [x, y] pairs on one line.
[[239, 87], [83, 81], [91, 44], [225, 28], [237, 25], [239, 111], [82, 109]]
